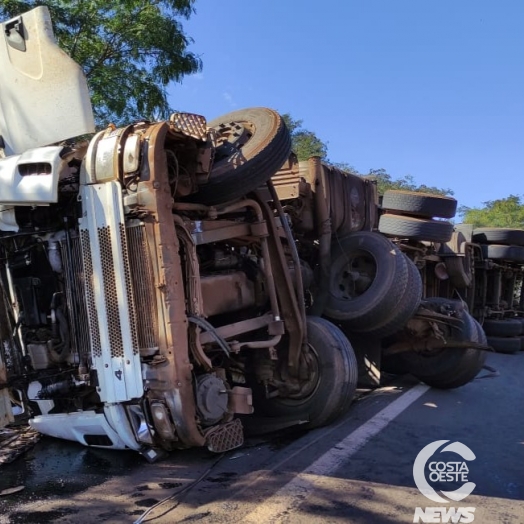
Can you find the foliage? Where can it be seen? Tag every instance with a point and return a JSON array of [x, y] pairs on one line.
[[505, 212], [344, 166], [130, 50], [305, 143], [385, 181]]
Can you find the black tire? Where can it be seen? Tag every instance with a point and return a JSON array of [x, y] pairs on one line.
[[449, 368], [368, 278], [260, 147], [415, 228], [335, 382], [482, 339], [495, 235], [419, 204], [505, 344], [507, 327], [521, 320], [500, 252], [407, 306]]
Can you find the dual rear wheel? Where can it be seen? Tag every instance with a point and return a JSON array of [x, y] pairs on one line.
[[446, 368], [374, 288]]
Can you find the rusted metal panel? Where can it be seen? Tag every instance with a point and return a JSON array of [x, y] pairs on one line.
[[351, 200], [207, 231], [171, 380], [227, 293], [347, 200], [291, 312], [240, 400], [233, 330], [189, 124], [287, 181]]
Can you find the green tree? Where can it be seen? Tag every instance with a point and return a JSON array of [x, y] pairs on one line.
[[130, 50], [385, 181], [305, 143], [505, 212], [348, 168]]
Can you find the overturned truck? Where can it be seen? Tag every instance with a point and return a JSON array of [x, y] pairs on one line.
[[163, 282], [146, 300]]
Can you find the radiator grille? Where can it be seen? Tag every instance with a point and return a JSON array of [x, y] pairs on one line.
[[76, 300], [110, 293], [143, 287], [90, 294], [129, 289]]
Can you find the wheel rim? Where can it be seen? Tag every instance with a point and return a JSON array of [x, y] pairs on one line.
[[309, 386], [231, 138], [356, 276]]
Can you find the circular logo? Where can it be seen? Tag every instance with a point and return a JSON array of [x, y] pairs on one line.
[[443, 471]]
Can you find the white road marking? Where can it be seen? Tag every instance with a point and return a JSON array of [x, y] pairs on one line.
[[289, 497]]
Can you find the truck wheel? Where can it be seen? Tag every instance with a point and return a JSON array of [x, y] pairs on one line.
[[450, 367], [495, 235], [419, 204], [407, 306], [333, 378], [415, 228], [368, 278], [505, 344], [482, 339], [521, 320], [501, 252], [503, 328], [252, 145]]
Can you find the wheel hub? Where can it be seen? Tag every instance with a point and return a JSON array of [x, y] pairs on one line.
[[309, 374], [356, 276], [231, 137]]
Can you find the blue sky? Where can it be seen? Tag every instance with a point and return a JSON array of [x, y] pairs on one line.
[[430, 88]]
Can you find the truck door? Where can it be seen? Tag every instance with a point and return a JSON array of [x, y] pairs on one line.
[[43, 93]]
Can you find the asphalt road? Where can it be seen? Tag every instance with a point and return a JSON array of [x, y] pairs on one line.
[[358, 470]]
